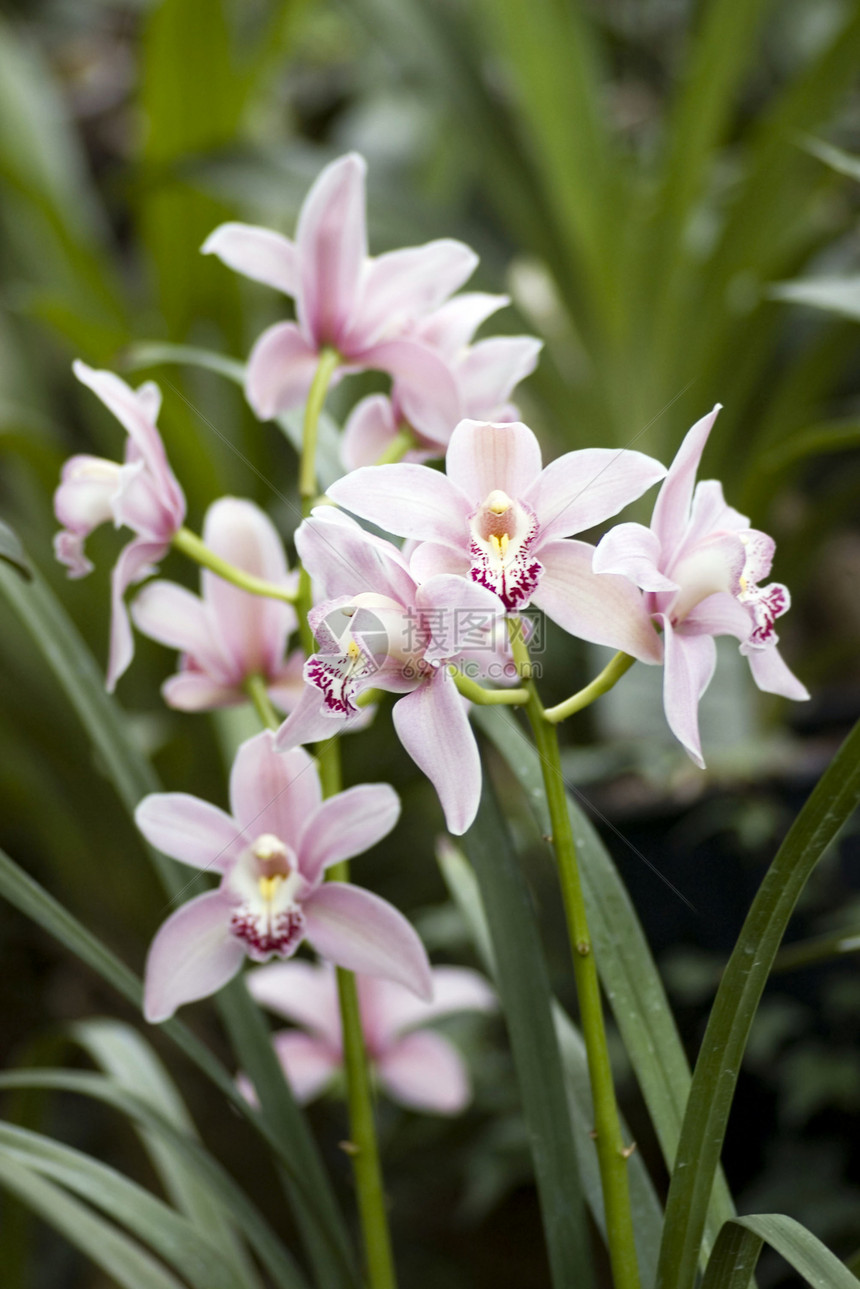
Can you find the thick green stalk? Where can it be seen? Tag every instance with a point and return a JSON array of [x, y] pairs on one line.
[[612, 1153], [611, 674], [192, 546], [487, 697]]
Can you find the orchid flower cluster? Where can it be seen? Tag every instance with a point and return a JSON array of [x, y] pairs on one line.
[[434, 619]]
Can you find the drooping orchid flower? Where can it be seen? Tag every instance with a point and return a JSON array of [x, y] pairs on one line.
[[143, 495], [377, 629], [485, 374], [700, 565], [499, 519], [227, 635], [418, 1068], [272, 854], [359, 306]]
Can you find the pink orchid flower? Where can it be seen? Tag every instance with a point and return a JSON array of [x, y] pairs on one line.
[[418, 1068], [499, 519], [272, 854], [226, 634], [344, 299], [377, 629], [143, 495], [700, 565], [485, 374]]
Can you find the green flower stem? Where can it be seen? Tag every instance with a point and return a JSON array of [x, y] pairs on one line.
[[611, 674], [611, 1151], [403, 440], [255, 688], [192, 546], [486, 697], [362, 1145]]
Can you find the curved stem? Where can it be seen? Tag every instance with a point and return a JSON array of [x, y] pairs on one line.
[[255, 688], [326, 368], [403, 440], [611, 1151], [611, 674], [195, 548], [487, 697]]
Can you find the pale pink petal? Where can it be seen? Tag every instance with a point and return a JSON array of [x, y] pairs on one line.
[[426, 388], [689, 663], [709, 511], [87, 487], [720, 614], [258, 253], [148, 397], [136, 561], [302, 992], [672, 508], [280, 370], [450, 327], [370, 428], [409, 500], [455, 989], [139, 503], [406, 284], [484, 457], [492, 368], [195, 691], [331, 241], [308, 1064], [601, 607], [430, 559], [772, 675], [357, 930], [346, 825], [273, 792], [252, 629], [310, 722], [192, 956], [174, 617], [69, 550], [581, 489], [345, 560], [190, 830], [432, 723], [632, 551], [460, 614], [424, 1071]]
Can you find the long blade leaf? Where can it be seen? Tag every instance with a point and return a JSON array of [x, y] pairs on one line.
[[737, 1251]]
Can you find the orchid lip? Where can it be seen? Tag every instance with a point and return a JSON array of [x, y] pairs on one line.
[[502, 535]]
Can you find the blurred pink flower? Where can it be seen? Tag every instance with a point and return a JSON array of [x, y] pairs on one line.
[[499, 519], [417, 1067], [227, 635], [345, 300], [271, 854], [143, 495], [484, 374], [700, 564]]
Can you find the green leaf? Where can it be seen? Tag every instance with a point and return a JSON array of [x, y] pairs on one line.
[[123, 1259], [835, 294], [189, 1252], [715, 1076], [524, 989], [627, 970], [830, 436], [12, 552], [737, 1251], [842, 162], [274, 1257]]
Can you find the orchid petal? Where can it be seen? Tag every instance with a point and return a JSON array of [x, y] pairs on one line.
[[484, 457], [308, 1064], [425, 385], [460, 614], [709, 512], [409, 500], [601, 607], [432, 723], [345, 825], [190, 830], [87, 487], [455, 989], [772, 675], [425, 1072], [492, 368], [450, 328], [280, 371], [430, 559], [331, 241], [270, 792], [720, 614], [632, 551], [370, 428], [193, 955], [174, 617], [69, 551], [672, 507], [195, 691], [310, 722], [345, 560], [357, 930], [406, 284], [252, 629], [689, 663], [136, 561], [258, 253], [302, 992], [581, 489]]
